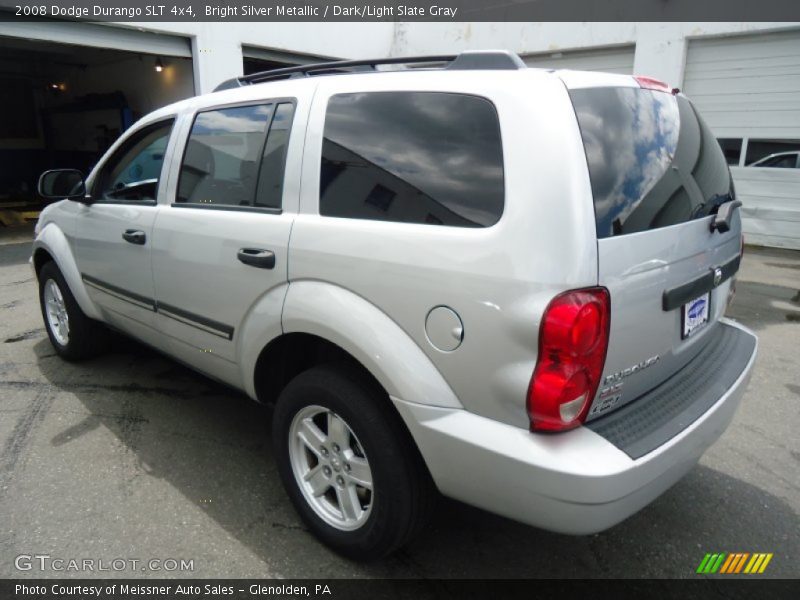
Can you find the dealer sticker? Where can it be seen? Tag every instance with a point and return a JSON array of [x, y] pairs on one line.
[[695, 315]]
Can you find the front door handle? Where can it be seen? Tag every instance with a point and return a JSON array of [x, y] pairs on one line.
[[134, 236], [256, 257]]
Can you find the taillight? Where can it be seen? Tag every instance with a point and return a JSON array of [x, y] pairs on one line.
[[651, 83], [573, 339]]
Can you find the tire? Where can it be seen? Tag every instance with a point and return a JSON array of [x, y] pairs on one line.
[[402, 496], [78, 336]]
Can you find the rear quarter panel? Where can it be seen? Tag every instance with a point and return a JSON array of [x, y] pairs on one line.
[[498, 279]]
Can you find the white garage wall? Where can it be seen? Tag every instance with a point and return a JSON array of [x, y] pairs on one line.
[[770, 206], [99, 36], [217, 48], [660, 47], [749, 87], [661, 50], [609, 60], [743, 85]]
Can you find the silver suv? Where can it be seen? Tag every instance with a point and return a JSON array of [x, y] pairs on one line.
[[459, 275]]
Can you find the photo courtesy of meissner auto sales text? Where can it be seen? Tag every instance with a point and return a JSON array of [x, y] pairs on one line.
[[399, 300]]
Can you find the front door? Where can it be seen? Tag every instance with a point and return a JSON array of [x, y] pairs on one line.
[[220, 249], [114, 232]]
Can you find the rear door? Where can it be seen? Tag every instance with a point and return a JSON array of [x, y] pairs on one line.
[[658, 176], [222, 243]]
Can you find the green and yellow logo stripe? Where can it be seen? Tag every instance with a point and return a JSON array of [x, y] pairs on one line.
[[734, 562]]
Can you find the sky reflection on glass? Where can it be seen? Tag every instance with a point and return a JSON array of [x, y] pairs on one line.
[[445, 145]]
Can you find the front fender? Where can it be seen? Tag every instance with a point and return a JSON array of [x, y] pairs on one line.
[[370, 336], [53, 240]]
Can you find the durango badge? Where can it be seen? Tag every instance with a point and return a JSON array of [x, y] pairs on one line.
[[630, 370]]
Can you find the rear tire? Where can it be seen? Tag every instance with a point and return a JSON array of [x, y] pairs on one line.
[[348, 464], [74, 335]]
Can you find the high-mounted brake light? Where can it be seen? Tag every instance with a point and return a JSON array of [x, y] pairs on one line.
[[651, 83], [573, 340]]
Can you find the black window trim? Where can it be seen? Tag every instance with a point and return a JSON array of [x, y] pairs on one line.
[[172, 119], [274, 102], [419, 91]]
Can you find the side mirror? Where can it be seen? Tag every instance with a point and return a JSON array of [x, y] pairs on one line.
[[61, 184]]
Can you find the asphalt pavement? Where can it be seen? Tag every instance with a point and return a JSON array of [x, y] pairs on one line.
[[132, 456]]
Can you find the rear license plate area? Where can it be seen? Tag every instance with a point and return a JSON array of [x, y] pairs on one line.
[[694, 315]]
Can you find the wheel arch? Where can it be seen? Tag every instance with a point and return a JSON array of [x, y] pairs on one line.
[[291, 354], [51, 245], [370, 336]]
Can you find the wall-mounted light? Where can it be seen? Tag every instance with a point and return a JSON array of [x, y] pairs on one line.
[[58, 87], [159, 65]]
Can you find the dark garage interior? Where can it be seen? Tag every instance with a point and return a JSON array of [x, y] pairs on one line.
[[64, 105]]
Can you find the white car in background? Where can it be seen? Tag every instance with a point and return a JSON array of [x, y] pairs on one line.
[[780, 160]]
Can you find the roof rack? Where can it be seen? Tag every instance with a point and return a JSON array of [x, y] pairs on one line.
[[465, 61]]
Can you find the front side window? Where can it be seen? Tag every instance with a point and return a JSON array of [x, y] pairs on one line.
[[133, 171], [412, 157], [235, 157]]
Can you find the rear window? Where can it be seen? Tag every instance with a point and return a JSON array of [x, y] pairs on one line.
[[412, 157], [653, 162]]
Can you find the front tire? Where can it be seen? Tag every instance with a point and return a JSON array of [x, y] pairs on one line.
[[349, 466], [74, 336]]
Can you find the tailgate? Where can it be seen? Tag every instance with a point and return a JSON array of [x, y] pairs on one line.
[[658, 176]]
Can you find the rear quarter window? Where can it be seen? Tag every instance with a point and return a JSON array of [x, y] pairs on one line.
[[412, 157]]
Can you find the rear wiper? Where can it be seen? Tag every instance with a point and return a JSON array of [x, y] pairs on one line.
[[711, 206], [720, 205]]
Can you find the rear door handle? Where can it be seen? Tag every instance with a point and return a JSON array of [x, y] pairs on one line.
[[134, 236], [256, 257]]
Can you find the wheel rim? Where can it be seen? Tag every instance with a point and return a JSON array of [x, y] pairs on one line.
[[331, 468], [56, 310]]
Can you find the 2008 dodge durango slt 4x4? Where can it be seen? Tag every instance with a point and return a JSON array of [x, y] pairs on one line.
[[459, 275]]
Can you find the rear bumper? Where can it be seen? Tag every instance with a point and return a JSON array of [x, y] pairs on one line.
[[576, 482]]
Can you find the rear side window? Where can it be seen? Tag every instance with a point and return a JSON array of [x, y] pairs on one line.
[[412, 157], [235, 157], [653, 162]]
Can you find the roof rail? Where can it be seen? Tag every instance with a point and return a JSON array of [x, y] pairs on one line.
[[468, 60]]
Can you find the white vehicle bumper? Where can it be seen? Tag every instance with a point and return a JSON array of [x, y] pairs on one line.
[[575, 482]]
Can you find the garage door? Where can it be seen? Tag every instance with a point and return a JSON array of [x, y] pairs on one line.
[[747, 86], [100, 36], [611, 60], [748, 89]]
